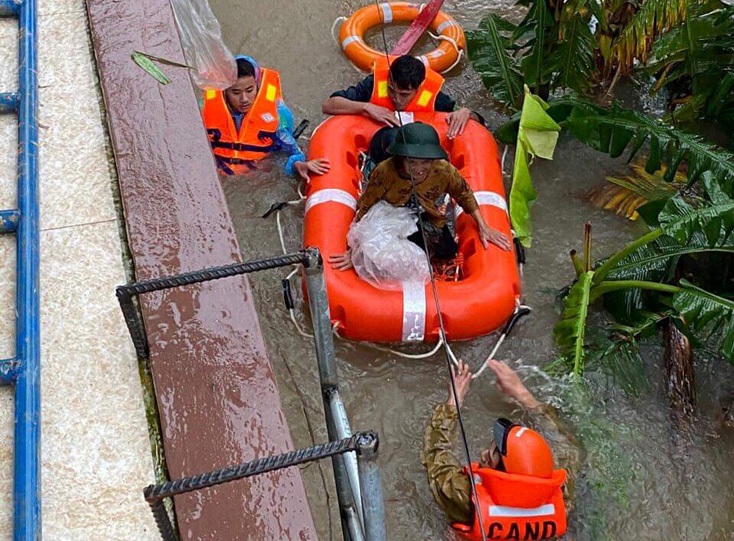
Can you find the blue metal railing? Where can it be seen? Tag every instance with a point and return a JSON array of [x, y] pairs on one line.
[[23, 370]]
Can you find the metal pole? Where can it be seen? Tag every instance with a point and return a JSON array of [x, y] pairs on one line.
[[369, 475], [318, 303], [8, 218], [341, 422], [133, 322], [324, 344], [27, 464], [168, 533], [354, 524], [8, 100]]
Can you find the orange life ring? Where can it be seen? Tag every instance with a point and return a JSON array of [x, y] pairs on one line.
[[482, 301], [441, 59]]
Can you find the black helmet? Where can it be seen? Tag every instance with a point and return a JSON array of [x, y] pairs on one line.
[[418, 140]]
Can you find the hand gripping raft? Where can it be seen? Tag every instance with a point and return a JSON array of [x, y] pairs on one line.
[[447, 31]]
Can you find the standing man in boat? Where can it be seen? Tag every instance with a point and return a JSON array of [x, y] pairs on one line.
[[249, 120], [404, 85], [520, 493], [418, 176]]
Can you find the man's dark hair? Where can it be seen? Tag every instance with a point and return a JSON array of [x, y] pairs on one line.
[[407, 72], [245, 68]]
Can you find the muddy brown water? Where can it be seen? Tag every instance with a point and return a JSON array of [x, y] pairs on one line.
[[638, 483]]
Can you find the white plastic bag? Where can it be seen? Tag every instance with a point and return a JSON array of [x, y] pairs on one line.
[[203, 46], [381, 252]]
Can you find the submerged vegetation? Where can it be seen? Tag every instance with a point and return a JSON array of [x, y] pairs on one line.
[[574, 54]]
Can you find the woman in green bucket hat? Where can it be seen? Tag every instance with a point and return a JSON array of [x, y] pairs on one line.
[[419, 159]]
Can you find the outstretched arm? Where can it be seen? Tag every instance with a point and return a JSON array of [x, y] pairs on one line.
[[449, 484]]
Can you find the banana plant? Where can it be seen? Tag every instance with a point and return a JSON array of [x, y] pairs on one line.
[[696, 59], [552, 48], [625, 195], [537, 136], [647, 265], [615, 130]]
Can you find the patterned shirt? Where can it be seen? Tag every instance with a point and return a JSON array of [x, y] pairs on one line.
[[386, 184]]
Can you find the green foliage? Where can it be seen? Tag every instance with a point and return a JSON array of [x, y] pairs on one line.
[[696, 59], [613, 131], [653, 19], [707, 314], [570, 330], [488, 48], [144, 61], [549, 50], [573, 61], [625, 195], [537, 136]]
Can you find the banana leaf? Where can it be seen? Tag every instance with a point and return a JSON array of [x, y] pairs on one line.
[[573, 60], [537, 136], [653, 19], [615, 130], [655, 262], [487, 47], [569, 332], [707, 314], [699, 55], [715, 220], [625, 195], [540, 25]]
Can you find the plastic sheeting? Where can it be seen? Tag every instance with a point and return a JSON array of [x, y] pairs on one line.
[[203, 46], [381, 252]]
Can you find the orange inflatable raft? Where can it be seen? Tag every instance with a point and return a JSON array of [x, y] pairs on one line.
[[481, 302]]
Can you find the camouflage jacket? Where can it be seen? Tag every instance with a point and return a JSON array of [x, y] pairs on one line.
[[450, 485]]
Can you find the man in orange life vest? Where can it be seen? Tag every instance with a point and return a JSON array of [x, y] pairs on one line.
[[249, 120], [405, 85], [519, 491]]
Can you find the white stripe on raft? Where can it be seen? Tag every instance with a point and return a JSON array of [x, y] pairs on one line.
[[348, 40], [387, 13], [414, 311], [423, 59], [504, 511], [492, 199], [444, 25], [330, 195]]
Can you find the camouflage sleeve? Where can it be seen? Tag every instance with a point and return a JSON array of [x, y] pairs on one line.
[[567, 452], [448, 483]]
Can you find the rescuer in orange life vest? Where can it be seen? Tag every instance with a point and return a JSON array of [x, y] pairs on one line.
[[249, 120], [520, 494], [403, 85]]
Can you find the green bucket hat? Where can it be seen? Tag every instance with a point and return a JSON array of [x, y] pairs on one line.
[[417, 140]]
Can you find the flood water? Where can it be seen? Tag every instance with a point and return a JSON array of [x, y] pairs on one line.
[[639, 482]]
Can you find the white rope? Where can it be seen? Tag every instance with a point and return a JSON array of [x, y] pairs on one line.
[[452, 41], [518, 307], [338, 22], [491, 356], [504, 155], [303, 333]]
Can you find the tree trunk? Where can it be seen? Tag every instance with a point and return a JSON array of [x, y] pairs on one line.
[[680, 376]]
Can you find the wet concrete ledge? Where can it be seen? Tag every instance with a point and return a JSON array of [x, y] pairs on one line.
[[215, 388]]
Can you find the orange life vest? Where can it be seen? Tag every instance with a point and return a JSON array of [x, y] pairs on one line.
[[425, 97], [518, 507], [235, 150]]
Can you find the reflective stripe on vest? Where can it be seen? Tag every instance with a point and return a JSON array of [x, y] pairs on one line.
[[425, 97], [256, 136]]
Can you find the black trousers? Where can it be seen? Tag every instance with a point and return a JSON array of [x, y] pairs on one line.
[[441, 243]]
